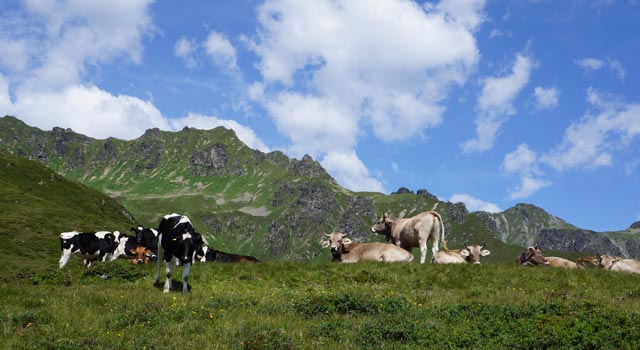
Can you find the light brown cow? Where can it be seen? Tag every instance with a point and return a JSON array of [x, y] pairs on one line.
[[589, 261], [343, 250], [470, 254], [413, 232], [140, 255], [555, 261], [532, 257], [615, 263]]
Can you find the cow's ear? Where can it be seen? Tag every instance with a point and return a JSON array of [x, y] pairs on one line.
[[326, 244], [485, 252], [133, 251], [346, 241], [464, 253]]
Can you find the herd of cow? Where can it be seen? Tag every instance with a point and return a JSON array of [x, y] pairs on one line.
[[177, 243]]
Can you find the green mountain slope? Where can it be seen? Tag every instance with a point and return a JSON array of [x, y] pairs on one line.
[[249, 202], [37, 205]]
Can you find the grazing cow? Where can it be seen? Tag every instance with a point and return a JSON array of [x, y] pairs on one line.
[[147, 237], [615, 263], [531, 257], [205, 254], [178, 239], [470, 254], [555, 261], [413, 232], [129, 248], [89, 245], [343, 250]]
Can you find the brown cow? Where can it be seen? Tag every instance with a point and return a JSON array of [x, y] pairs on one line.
[[615, 263], [531, 257], [589, 261], [470, 254], [555, 261], [343, 250], [140, 255], [413, 232]]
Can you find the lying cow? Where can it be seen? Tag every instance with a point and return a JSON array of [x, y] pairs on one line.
[[208, 254], [615, 263], [179, 240], [413, 232], [555, 261], [531, 257], [343, 250], [470, 254], [147, 237], [89, 245], [128, 248]]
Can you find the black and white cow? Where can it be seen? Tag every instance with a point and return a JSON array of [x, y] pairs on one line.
[[147, 237], [178, 239], [208, 254], [89, 245]]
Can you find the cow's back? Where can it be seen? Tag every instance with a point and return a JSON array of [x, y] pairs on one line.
[[408, 230], [450, 257], [359, 252], [627, 265]]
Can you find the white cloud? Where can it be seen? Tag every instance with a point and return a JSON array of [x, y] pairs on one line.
[[199, 121], [524, 162], [221, 52], [529, 186], [333, 69], [546, 98], [349, 171], [474, 204], [593, 64], [90, 111], [495, 104], [523, 159], [185, 49], [594, 140]]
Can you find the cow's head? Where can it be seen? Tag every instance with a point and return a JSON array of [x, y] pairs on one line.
[[532, 256], [607, 261], [142, 255], [383, 226], [189, 244], [335, 243], [473, 253], [205, 253]]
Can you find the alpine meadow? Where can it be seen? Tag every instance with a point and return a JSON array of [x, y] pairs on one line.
[[277, 209]]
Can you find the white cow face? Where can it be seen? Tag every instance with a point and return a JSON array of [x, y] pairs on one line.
[[473, 253]]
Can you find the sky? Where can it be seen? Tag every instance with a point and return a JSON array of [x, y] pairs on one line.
[[490, 103]]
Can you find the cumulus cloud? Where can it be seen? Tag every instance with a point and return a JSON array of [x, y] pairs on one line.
[[495, 104], [524, 162], [611, 127], [475, 204], [529, 186], [546, 98], [594, 64], [333, 70], [349, 171], [221, 52], [185, 49]]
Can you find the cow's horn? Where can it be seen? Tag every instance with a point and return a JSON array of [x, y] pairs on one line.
[[326, 234]]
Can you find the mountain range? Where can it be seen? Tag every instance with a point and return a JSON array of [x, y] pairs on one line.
[[272, 206]]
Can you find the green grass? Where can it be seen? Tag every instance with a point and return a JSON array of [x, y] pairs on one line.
[[320, 306]]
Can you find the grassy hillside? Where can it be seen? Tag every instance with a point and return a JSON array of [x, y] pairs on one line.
[[37, 205], [323, 306]]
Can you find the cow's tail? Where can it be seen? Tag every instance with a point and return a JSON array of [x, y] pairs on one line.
[[441, 228]]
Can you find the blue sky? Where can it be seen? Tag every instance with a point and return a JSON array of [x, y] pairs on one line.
[[491, 103]]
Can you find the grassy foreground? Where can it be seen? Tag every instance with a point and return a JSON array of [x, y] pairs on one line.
[[320, 306]]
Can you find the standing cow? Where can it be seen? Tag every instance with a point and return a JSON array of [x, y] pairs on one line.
[[89, 245], [470, 254], [343, 250], [178, 239], [413, 232]]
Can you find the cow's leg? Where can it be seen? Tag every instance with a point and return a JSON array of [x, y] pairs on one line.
[[87, 263], [64, 259], [185, 276], [156, 280], [434, 251], [423, 250], [168, 285]]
